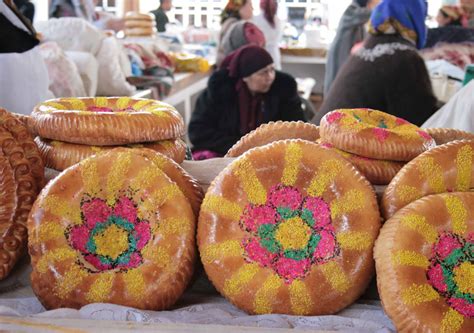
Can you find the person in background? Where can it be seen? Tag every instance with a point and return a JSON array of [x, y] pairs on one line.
[[387, 73], [242, 33], [24, 78], [457, 113], [449, 16], [26, 8], [234, 11], [467, 7], [239, 97], [271, 27], [160, 14], [349, 32]]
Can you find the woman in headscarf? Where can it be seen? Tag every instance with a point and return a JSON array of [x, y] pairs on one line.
[[234, 11], [271, 27], [239, 97], [350, 31], [387, 73], [242, 33]]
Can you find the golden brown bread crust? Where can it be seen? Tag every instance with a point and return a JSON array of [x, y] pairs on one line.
[[445, 135], [374, 134], [190, 187], [408, 263], [139, 16], [113, 228], [26, 121], [289, 228], [14, 233], [107, 121], [140, 31], [61, 155], [446, 168], [274, 131], [21, 134], [377, 172]]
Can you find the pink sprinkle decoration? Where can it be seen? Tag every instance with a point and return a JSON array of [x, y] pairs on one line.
[[334, 116], [381, 134], [99, 109], [291, 269], [142, 234], [79, 236], [320, 211], [95, 211], [254, 217], [125, 209], [257, 253], [95, 261], [284, 197], [401, 121], [424, 135], [326, 246], [462, 306], [435, 275], [446, 245]]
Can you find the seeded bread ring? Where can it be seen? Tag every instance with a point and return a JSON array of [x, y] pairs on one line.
[[377, 172], [424, 260], [61, 155], [111, 229], [374, 134], [274, 131], [445, 135], [107, 121], [289, 228], [446, 168]]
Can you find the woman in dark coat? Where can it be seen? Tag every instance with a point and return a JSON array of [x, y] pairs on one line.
[[387, 73], [244, 93]]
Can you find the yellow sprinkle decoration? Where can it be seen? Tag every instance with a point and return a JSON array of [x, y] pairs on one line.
[[158, 255], [325, 175], [293, 157], [160, 197], [112, 242], [299, 298], [54, 256], [418, 223], [135, 284], [458, 213], [138, 106], [408, 193], [76, 104], [351, 201], [101, 288], [54, 105], [255, 191], [236, 284], [417, 294], [336, 276], [145, 177], [69, 281], [174, 226], [101, 102], [293, 234], [123, 103], [355, 240], [452, 321], [464, 277], [90, 177], [221, 206], [63, 209], [433, 173], [464, 162], [265, 295], [48, 230], [212, 252], [410, 258], [117, 176]]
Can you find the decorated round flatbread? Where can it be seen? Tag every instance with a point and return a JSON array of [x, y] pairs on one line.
[[425, 265], [289, 228], [113, 229]]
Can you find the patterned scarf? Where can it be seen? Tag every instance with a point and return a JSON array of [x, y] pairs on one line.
[[405, 17]]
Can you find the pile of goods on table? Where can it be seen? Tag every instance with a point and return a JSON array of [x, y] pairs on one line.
[[291, 226]]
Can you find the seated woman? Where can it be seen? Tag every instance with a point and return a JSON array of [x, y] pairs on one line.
[[244, 93], [387, 73]]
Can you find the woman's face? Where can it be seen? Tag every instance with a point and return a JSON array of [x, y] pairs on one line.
[[261, 81], [442, 19], [246, 11]]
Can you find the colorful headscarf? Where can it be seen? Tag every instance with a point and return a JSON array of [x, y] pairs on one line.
[[231, 9], [406, 17], [269, 8]]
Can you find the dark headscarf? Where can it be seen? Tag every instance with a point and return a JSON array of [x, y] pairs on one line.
[[242, 63], [362, 3]]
